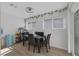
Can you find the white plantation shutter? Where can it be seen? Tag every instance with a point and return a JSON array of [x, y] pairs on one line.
[[58, 23], [48, 25], [34, 25], [30, 25], [39, 25]]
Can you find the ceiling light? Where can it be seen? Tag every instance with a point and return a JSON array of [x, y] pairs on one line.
[[29, 9]]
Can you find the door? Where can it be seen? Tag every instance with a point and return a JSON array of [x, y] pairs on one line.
[[76, 32]]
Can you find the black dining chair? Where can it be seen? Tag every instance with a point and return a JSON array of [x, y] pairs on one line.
[[24, 37], [46, 42], [41, 34], [32, 42]]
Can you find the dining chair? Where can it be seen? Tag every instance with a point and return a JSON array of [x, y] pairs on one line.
[[41, 34], [25, 37], [46, 42], [32, 42]]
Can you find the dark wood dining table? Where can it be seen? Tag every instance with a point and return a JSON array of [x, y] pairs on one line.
[[38, 39]]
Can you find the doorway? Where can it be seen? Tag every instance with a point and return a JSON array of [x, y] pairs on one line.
[[76, 33]]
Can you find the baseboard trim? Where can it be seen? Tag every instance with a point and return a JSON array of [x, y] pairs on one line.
[[60, 49]]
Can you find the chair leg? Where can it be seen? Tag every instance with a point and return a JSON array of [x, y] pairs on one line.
[[46, 48], [39, 49], [34, 48], [23, 43]]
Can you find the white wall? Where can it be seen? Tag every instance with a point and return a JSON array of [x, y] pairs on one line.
[[59, 36], [10, 23]]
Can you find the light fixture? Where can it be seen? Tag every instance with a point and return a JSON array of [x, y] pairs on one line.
[[29, 9]]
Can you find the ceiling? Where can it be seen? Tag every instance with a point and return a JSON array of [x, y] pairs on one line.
[[38, 8]]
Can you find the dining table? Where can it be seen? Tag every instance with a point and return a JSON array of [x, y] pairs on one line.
[[38, 38]]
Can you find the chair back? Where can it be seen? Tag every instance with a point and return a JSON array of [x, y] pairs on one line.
[[31, 39], [48, 38], [25, 33], [39, 33]]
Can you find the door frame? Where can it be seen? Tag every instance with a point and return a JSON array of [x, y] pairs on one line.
[[74, 29]]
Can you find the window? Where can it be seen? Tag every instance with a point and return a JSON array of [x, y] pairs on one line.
[[48, 25], [29, 25], [33, 25], [58, 23], [39, 25]]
